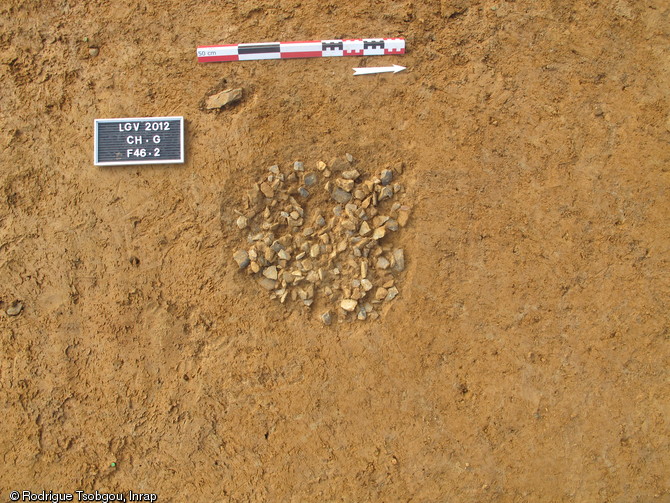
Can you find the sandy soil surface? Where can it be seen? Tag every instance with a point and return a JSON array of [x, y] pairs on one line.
[[526, 358]]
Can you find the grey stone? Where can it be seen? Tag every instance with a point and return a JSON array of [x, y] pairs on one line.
[[242, 258], [387, 176], [326, 318], [267, 283], [310, 179], [298, 166], [393, 293], [386, 193], [399, 258], [303, 192], [341, 196]]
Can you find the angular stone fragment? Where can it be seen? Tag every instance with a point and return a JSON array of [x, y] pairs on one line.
[[366, 284], [347, 185], [326, 318], [242, 222], [399, 260], [315, 251], [223, 98], [298, 166], [242, 258], [350, 158], [381, 293], [348, 305], [267, 283], [387, 176], [270, 272], [303, 192], [320, 165], [403, 215], [15, 309], [364, 229], [382, 263], [379, 233], [350, 174], [338, 164], [341, 196], [393, 293], [267, 190], [392, 225], [385, 193], [379, 220], [310, 179]]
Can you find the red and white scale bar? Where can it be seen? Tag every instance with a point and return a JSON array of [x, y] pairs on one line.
[[310, 49]]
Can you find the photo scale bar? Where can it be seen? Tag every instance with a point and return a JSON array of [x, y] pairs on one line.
[[306, 49]]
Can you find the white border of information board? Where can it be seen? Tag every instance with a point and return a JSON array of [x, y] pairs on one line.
[[136, 162]]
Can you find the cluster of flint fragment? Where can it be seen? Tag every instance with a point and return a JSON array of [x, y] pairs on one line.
[[325, 234]]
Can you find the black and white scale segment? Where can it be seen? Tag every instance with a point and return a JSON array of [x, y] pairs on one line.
[[139, 140]]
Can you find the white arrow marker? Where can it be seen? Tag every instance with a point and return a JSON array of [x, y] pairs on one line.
[[378, 69]]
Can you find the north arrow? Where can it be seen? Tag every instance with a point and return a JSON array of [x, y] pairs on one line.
[[378, 69]]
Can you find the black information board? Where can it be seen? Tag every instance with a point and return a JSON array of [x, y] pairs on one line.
[[148, 140]]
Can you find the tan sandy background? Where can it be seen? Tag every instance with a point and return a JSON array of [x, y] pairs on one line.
[[526, 358]]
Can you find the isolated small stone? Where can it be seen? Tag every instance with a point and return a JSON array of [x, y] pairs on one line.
[[348, 305], [15, 309], [298, 166], [223, 98], [326, 318], [93, 52]]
